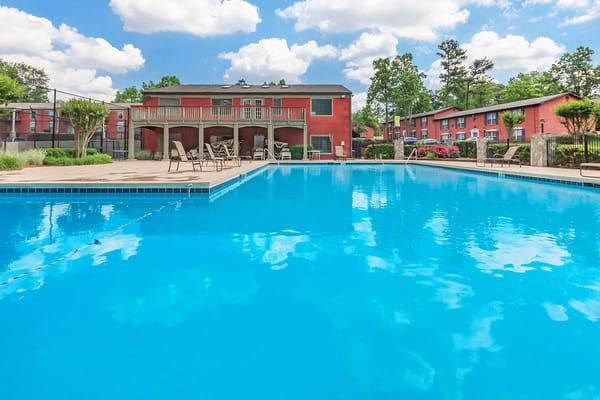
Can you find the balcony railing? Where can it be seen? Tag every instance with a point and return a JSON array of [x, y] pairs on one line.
[[218, 114]]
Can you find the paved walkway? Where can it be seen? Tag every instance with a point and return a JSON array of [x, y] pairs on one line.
[[148, 173]]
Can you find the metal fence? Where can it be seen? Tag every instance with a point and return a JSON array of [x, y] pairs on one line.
[[570, 151]]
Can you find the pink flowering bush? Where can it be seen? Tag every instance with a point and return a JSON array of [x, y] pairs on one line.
[[438, 150]]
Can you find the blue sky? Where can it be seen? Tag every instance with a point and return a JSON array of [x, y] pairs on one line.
[[81, 43]]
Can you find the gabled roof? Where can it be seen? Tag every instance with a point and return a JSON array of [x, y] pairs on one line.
[[251, 89], [506, 106]]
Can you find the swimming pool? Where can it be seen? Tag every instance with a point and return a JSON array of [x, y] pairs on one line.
[[322, 282]]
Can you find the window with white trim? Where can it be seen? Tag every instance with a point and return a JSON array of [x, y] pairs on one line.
[[32, 126], [491, 118], [460, 122], [424, 133], [121, 126], [491, 134], [423, 121], [460, 136], [167, 101], [277, 106], [518, 133], [445, 137], [221, 106], [321, 143], [444, 124], [321, 107]]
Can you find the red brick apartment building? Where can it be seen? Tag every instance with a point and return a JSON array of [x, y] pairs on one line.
[[24, 120], [453, 124], [249, 115]]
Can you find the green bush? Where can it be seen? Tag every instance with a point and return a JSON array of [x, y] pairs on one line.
[[467, 148], [375, 151], [143, 155], [408, 148], [523, 152], [572, 156], [99, 158], [10, 161], [297, 151], [67, 152]]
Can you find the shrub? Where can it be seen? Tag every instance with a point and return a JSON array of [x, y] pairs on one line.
[[32, 157], [10, 161], [572, 156], [385, 151], [297, 151], [67, 152], [467, 148], [438, 151], [99, 158], [143, 155], [408, 148], [523, 152]]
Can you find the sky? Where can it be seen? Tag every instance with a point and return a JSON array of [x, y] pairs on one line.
[[96, 47]]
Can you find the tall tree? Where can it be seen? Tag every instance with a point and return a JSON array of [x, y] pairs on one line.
[[529, 85], [10, 89], [363, 119], [454, 73], [575, 72], [410, 95], [381, 91], [85, 117], [579, 117], [477, 80], [34, 80], [128, 95], [165, 81], [132, 94]]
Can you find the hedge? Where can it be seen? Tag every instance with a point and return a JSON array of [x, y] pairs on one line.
[[523, 151], [297, 151], [385, 151], [467, 148], [67, 152], [99, 158], [143, 155], [572, 157]]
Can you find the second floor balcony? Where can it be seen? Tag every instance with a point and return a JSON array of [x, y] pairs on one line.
[[218, 114]]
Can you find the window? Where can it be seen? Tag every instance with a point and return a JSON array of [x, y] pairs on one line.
[[423, 121], [164, 101], [460, 136], [445, 137], [519, 134], [120, 126], [424, 133], [474, 133], [444, 124], [518, 110], [491, 134], [276, 107], [413, 123], [321, 107], [491, 118], [321, 143], [50, 126], [32, 126], [460, 122], [222, 106]]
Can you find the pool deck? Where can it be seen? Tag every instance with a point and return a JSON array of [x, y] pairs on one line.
[[154, 174]]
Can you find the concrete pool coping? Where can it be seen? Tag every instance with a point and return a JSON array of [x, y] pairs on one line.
[[152, 176]]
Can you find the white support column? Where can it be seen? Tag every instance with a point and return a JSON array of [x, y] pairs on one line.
[[166, 146], [305, 143], [13, 127], [271, 139], [131, 141], [236, 139], [201, 140]]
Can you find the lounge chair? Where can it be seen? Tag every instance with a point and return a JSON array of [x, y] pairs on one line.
[[219, 162], [228, 157], [285, 154], [594, 166], [507, 158], [258, 154], [340, 154], [181, 156]]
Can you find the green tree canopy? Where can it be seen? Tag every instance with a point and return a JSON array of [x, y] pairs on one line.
[[165, 81], [85, 117], [510, 119], [575, 72], [364, 118], [33, 80], [579, 117], [529, 85], [478, 86], [130, 94], [10, 89], [454, 72]]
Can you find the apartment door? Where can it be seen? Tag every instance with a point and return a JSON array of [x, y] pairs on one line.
[[253, 108]]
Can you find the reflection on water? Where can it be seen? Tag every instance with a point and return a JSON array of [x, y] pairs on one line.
[[367, 281]]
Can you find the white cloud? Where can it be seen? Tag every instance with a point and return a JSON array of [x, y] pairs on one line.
[[513, 53], [359, 100], [198, 17], [272, 59], [413, 19], [71, 59], [360, 54], [586, 11]]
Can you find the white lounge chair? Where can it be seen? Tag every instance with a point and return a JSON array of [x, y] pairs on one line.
[[228, 157], [219, 162], [340, 153], [180, 156], [259, 154], [285, 154]]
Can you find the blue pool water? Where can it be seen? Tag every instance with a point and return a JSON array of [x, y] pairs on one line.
[[305, 282]]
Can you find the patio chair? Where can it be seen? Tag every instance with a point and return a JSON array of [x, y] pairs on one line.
[[258, 154], [285, 154], [592, 166], [228, 157], [507, 158], [340, 154], [181, 156], [219, 162]]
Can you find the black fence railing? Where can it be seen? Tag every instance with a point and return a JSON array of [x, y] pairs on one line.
[[570, 151]]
